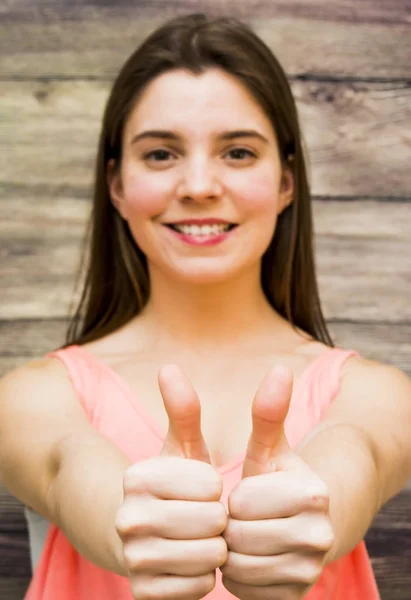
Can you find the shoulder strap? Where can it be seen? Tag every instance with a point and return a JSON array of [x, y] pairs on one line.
[[326, 379], [83, 374]]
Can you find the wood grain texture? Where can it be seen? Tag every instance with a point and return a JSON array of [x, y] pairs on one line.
[[368, 39], [389, 545], [358, 136], [351, 11], [363, 251], [13, 588], [26, 339], [349, 63]]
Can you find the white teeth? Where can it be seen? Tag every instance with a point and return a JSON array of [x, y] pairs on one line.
[[201, 229]]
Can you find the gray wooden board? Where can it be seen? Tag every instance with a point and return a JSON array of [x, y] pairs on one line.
[[357, 135], [363, 252], [350, 68], [367, 39], [26, 339], [13, 588]]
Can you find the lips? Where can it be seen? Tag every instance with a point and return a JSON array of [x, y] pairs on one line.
[[200, 222], [175, 226], [198, 236]]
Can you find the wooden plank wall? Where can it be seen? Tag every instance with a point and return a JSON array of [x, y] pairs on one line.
[[349, 63]]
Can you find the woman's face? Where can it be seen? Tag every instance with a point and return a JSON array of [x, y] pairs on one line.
[[200, 147]]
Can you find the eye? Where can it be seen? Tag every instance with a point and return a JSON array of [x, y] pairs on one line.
[[157, 155], [239, 154]]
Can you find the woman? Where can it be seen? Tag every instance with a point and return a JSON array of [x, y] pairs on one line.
[[200, 297]]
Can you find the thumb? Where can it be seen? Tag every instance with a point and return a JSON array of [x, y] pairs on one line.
[[184, 437], [270, 408]]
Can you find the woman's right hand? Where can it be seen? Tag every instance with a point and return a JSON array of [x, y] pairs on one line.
[[171, 519]]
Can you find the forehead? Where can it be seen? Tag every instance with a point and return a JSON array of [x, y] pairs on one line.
[[197, 103]]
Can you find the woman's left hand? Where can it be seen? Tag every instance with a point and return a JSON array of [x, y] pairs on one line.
[[279, 529]]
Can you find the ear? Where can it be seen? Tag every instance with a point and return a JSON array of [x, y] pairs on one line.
[[286, 189], [115, 187]]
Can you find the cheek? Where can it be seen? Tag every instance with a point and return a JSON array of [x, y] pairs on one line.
[[144, 195], [258, 194]]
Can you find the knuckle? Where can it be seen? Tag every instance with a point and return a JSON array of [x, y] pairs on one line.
[[219, 551], [134, 479], [142, 591], [229, 534], [134, 560], [324, 539], [318, 496], [239, 501], [120, 522], [221, 518], [233, 504], [314, 532], [311, 571], [121, 525], [141, 526], [215, 482], [131, 519], [128, 556], [137, 591], [234, 534], [207, 584], [124, 520], [149, 594], [148, 589]]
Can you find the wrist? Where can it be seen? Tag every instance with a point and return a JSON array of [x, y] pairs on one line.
[[340, 454]]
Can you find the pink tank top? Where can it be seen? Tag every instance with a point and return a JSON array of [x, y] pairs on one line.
[[63, 574]]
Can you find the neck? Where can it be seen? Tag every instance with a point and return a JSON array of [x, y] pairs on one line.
[[205, 316]]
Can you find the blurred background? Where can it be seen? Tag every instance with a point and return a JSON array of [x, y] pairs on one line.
[[349, 65]]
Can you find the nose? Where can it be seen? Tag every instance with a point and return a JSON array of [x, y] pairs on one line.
[[199, 182]]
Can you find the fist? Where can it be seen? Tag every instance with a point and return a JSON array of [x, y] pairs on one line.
[[279, 530], [171, 519]]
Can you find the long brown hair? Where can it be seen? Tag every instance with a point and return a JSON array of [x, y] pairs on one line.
[[116, 283]]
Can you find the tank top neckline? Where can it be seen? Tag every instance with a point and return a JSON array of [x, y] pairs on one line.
[[152, 423]]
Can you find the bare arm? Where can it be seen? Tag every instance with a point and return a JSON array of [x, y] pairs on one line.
[[53, 460], [362, 448]]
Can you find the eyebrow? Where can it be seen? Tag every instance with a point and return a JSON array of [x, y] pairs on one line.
[[226, 135]]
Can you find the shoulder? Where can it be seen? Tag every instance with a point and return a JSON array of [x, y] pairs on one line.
[[364, 376], [39, 411], [39, 372], [375, 399], [359, 374], [372, 395], [38, 405], [41, 385]]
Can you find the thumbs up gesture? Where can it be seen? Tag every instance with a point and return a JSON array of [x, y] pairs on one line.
[[279, 529], [171, 518]]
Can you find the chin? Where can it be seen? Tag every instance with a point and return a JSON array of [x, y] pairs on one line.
[[207, 275]]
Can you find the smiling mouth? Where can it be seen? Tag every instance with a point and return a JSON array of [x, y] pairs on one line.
[[200, 230]]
